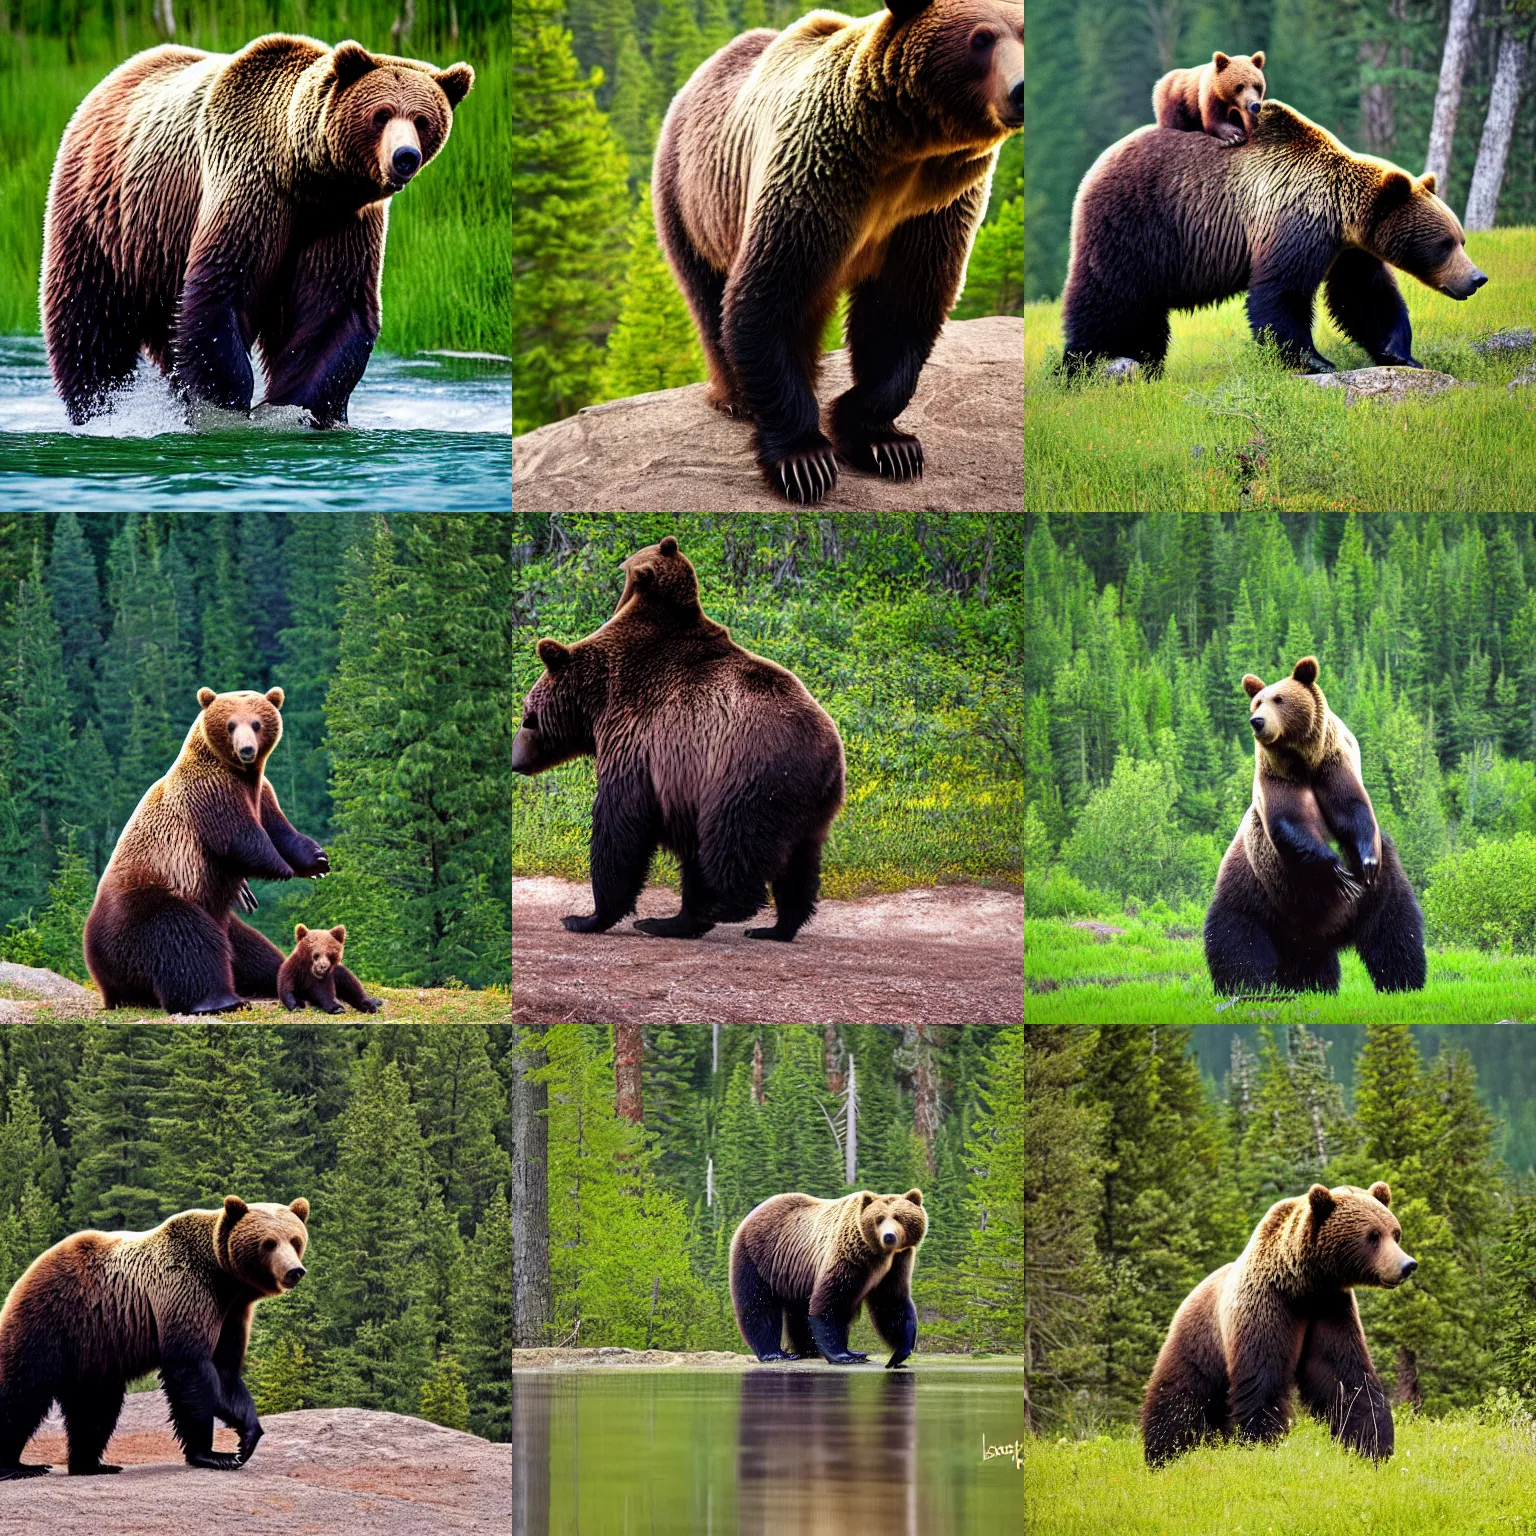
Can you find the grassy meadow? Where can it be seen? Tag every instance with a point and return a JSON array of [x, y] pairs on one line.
[[448, 264], [1447, 1476], [1227, 429], [1155, 973]]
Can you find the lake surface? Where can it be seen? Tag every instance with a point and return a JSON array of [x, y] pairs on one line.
[[427, 433], [771, 1451]]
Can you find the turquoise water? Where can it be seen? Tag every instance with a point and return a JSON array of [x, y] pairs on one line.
[[428, 433], [771, 1451]]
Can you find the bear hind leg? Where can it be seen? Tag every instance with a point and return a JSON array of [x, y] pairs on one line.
[[1309, 968], [257, 960], [759, 1312], [155, 943], [92, 350], [90, 1416], [20, 1414], [1390, 937], [797, 1324], [693, 920], [1239, 951], [794, 892]]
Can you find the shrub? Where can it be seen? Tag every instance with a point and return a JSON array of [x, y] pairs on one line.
[[1485, 896], [1058, 894]]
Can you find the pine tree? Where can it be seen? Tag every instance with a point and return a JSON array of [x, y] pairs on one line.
[[230, 660], [804, 1153], [487, 1338], [261, 568], [112, 1144], [1389, 1094], [445, 1394], [75, 592], [634, 110], [677, 45]]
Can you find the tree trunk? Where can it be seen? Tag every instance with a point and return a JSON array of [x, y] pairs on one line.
[[1377, 123], [628, 1058], [1488, 174], [1458, 35], [1164, 18], [829, 1050], [165, 17], [757, 1070], [530, 1196], [925, 1104], [1406, 1388]]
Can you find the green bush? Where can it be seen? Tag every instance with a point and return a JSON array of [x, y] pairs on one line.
[[1485, 895], [1058, 894]]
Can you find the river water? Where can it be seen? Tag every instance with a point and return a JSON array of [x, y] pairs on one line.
[[428, 433], [772, 1451]]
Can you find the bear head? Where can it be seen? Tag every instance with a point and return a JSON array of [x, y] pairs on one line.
[[241, 728], [661, 574], [385, 117], [1352, 1237], [1292, 714], [962, 64], [322, 948], [1411, 228], [1239, 81], [263, 1244], [557, 722], [890, 1223]]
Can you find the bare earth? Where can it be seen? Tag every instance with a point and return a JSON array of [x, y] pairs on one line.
[[316, 1473], [941, 955]]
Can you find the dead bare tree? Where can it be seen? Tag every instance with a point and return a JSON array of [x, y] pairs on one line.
[[1453, 61], [165, 17], [1165, 17], [1498, 129]]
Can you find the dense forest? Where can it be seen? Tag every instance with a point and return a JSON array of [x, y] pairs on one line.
[[1367, 70], [638, 1149], [598, 314], [1140, 1178], [906, 630], [390, 640], [1138, 763], [398, 1136]]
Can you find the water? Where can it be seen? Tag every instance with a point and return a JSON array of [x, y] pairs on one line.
[[428, 433], [771, 1451]]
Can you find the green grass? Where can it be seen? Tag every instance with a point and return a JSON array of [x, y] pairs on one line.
[[448, 262], [1447, 1477], [1148, 975], [1175, 442]]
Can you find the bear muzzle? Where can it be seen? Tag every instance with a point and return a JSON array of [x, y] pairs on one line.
[[399, 151], [525, 751], [293, 1276]]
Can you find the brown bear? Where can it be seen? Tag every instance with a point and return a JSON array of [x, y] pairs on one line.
[[1220, 98], [100, 1308], [835, 156], [1285, 901], [1282, 1317], [160, 932], [701, 747], [1168, 220], [804, 1266], [202, 202], [314, 974]]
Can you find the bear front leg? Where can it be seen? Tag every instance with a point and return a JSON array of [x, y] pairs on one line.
[[350, 990], [1261, 1370], [834, 1304], [1338, 1383], [1346, 811], [891, 1310], [1278, 308], [192, 1387], [235, 1405], [624, 836], [1363, 298], [302, 854]]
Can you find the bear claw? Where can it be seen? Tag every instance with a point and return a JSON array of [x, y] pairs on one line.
[[804, 475], [890, 454]]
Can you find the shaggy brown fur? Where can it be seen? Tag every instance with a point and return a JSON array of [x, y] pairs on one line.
[[202, 202], [1283, 1316], [1220, 98], [100, 1308], [701, 747], [1167, 220], [314, 974], [806, 1266], [835, 156], [1285, 901], [160, 932]]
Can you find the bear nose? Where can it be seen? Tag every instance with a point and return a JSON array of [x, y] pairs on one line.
[[294, 1275], [1409, 1265], [888, 1238], [406, 160], [1016, 97], [1478, 279], [247, 753], [1253, 106], [1257, 722]]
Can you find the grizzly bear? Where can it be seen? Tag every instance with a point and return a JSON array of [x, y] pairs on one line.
[[1285, 902], [100, 1308], [1220, 98], [202, 202], [804, 1266], [1282, 1316], [835, 156], [160, 932], [314, 974], [702, 748], [1168, 220]]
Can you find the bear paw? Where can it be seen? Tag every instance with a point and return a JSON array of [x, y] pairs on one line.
[[886, 452], [728, 404], [216, 1461], [804, 473], [589, 924], [101, 1468], [18, 1469]]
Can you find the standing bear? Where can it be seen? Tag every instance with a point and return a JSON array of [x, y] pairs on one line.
[[1282, 1318], [805, 1266], [161, 931], [201, 202], [702, 748], [836, 156], [1285, 902]]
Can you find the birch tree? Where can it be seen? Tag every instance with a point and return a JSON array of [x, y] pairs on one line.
[[1458, 37], [1498, 128]]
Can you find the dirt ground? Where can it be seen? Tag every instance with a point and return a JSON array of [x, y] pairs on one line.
[[941, 955], [315, 1473]]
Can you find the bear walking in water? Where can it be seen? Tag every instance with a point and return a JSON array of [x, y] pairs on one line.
[[804, 1266], [1282, 1318], [701, 747]]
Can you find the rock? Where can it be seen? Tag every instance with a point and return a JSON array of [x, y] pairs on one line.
[[1387, 383], [1520, 380], [668, 451], [1520, 339], [1121, 370], [1102, 932], [40, 983]]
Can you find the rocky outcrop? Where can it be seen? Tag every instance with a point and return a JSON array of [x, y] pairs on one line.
[[669, 452], [1389, 384]]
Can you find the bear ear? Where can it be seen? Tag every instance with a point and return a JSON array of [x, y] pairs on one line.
[[275, 697], [351, 61], [915, 1196], [205, 697], [300, 1208], [339, 933], [1320, 1197], [1258, 59], [866, 1199], [553, 654], [234, 1207], [668, 545], [1395, 190], [905, 10], [1252, 684], [1428, 181], [1383, 1192], [300, 931], [456, 81], [1220, 60], [1305, 671]]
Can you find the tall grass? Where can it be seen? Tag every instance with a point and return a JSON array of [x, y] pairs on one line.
[[447, 266], [1226, 429]]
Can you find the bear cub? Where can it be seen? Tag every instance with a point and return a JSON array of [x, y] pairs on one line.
[[1221, 98], [314, 974]]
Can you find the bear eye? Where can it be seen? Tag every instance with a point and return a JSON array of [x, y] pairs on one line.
[[423, 127], [381, 118], [270, 1244], [982, 39], [1375, 1239], [530, 721]]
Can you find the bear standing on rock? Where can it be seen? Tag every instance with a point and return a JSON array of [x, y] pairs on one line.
[[1281, 1318], [202, 202]]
